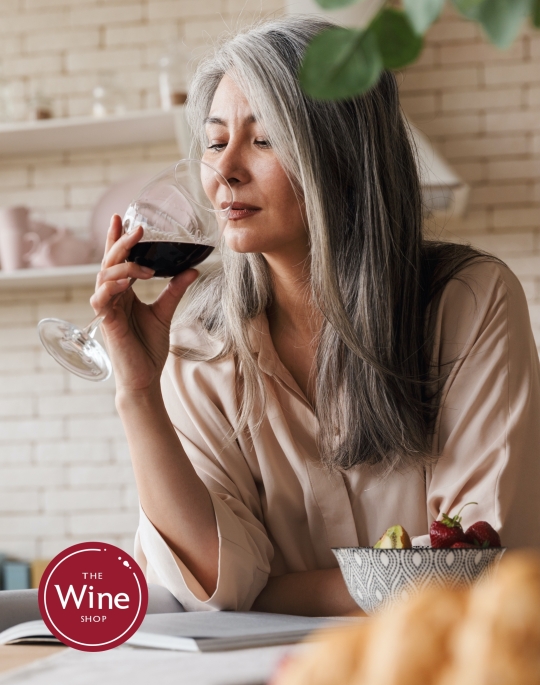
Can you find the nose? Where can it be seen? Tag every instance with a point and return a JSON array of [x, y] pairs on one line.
[[224, 178], [231, 164], [232, 174]]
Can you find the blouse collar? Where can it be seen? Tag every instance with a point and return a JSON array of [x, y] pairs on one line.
[[267, 357]]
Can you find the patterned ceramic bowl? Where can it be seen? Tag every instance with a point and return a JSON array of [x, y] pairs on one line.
[[378, 577]]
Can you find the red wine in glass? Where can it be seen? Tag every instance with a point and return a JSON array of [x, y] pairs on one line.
[[168, 258], [183, 211]]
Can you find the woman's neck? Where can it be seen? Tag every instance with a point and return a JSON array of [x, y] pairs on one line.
[[292, 306], [294, 322]]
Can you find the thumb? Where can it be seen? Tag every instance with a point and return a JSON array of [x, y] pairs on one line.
[[167, 302]]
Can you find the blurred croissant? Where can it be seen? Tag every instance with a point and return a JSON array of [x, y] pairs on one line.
[[499, 641], [331, 659], [487, 636]]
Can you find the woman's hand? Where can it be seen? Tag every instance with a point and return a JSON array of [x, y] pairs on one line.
[[136, 334]]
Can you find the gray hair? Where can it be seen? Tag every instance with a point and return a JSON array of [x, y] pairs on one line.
[[372, 273]]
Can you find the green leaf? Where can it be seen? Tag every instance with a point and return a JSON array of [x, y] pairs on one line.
[[399, 45], [469, 8], [422, 13], [502, 19], [334, 4], [340, 63], [536, 13]]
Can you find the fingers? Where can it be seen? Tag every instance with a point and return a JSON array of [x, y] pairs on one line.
[[167, 302], [123, 270], [120, 247], [103, 295], [114, 279], [114, 232]]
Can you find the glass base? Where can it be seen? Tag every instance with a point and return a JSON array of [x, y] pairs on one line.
[[74, 350]]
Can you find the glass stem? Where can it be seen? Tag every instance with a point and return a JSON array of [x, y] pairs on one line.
[[92, 327]]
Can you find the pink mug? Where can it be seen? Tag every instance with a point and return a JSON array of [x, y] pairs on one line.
[[13, 227]]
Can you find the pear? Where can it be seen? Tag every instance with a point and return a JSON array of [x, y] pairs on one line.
[[396, 537]]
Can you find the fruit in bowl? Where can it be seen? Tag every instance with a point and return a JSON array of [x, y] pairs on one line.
[[393, 570], [396, 537], [448, 532]]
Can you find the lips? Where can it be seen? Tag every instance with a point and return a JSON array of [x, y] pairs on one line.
[[241, 210]]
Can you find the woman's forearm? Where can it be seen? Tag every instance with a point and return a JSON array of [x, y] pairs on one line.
[[171, 493], [308, 593]]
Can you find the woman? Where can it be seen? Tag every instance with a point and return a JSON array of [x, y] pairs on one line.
[[338, 375]]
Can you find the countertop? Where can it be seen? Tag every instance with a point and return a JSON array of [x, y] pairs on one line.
[[15, 656], [48, 665]]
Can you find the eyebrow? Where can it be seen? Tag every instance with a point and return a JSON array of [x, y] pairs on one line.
[[251, 119]]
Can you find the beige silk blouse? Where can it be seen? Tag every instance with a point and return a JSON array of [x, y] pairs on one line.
[[279, 511]]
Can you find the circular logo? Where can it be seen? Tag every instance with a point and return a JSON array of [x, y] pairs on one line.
[[93, 596]]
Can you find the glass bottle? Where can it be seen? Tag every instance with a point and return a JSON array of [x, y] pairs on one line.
[[173, 77]]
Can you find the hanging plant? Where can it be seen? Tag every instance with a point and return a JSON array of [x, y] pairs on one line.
[[341, 63]]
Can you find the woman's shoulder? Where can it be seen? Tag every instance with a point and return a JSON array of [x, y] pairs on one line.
[[195, 371], [482, 283], [195, 353], [189, 340], [482, 302]]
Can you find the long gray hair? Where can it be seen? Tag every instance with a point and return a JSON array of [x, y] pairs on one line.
[[373, 276]]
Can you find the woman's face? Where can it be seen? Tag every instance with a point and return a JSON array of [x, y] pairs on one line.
[[266, 216]]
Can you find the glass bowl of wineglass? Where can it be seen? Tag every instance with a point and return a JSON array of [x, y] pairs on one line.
[[181, 228]]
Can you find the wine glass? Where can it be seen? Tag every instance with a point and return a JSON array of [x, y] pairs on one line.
[[181, 228]]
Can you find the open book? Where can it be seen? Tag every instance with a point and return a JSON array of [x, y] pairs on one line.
[[201, 631], [21, 606]]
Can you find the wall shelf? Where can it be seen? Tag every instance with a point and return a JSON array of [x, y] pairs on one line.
[[34, 137], [132, 128], [68, 276], [54, 277]]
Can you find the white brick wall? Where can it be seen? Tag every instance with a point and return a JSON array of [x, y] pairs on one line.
[[65, 473]]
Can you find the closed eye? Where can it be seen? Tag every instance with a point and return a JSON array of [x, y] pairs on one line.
[[262, 143], [216, 146]]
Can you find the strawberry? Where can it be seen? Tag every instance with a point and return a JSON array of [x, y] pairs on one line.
[[463, 545], [481, 534], [446, 532]]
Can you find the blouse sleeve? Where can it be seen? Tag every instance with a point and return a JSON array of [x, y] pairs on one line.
[[488, 429], [245, 552]]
